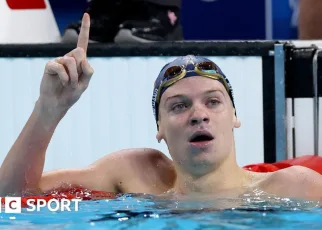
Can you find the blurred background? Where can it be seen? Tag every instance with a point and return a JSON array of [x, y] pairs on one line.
[[38, 21], [214, 19]]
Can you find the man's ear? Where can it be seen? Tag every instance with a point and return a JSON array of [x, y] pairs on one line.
[[237, 122], [160, 133]]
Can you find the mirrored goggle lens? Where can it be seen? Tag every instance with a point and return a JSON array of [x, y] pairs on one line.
[[207, 67], [173, 72]]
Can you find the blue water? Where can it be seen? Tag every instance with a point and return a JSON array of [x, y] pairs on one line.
[[139, 211]]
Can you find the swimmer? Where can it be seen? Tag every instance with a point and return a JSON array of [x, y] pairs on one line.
[[195, 115]]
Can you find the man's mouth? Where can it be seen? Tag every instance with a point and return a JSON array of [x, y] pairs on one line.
[[201, 139]]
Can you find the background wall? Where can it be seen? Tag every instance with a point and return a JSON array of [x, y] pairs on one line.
[[115, 112]]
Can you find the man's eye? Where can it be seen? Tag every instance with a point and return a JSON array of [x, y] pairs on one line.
[[213, 102], [178, 107]]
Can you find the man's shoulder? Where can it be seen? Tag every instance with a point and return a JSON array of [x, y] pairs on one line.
[[141, 170], [134, 157], [295, 172], [142, 154], [148, 157], [294, 181]]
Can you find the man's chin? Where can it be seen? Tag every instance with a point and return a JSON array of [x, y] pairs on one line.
[[201, 152], [203, 159]]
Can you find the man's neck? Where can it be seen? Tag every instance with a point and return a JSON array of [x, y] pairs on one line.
[[228, 176]]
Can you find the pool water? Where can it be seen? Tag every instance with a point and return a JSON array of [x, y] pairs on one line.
[[140, 211]]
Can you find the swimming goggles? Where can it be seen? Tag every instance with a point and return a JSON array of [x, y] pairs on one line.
[[176, 73]]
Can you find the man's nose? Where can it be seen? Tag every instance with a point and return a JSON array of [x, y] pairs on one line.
[[199, 116]]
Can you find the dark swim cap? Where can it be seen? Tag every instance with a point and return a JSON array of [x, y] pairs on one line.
[[188, 62]]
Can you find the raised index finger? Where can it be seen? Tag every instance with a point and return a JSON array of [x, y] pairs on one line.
[[84, 33]]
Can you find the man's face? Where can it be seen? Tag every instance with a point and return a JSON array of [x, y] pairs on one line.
[[196, 121]]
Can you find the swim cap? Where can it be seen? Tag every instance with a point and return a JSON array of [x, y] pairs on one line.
[[188, 62]]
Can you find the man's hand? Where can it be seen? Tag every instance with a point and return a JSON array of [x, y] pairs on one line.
[[67, 77]]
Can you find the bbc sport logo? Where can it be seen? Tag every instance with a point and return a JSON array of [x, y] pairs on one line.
[[14, 205]]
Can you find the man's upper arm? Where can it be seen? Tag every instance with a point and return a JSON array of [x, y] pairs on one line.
[[101, 175], [104, 174], [66, 178]]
